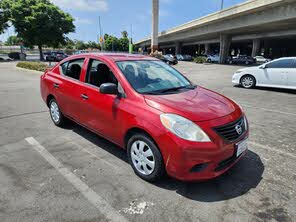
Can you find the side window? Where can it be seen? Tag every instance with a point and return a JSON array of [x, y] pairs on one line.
[[72, 68], [283, 63], [99, 73]]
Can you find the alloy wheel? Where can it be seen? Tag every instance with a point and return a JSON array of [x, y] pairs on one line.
[[247, 81]]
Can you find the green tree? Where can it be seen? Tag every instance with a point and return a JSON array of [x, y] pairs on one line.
[[3, 18], [93, 45], [80, 45], [112, 44], [13, 40], [39, 22], [124, 34], [124, 44]]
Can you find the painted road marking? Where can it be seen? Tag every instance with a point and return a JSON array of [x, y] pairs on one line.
[[96, 200]]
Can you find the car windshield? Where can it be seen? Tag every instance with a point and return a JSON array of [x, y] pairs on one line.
[[153, 77]]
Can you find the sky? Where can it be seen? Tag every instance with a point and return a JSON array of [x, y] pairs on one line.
[[119, 15]]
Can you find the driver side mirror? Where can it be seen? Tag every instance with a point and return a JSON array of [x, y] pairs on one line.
[[109, 88], [263, 67]]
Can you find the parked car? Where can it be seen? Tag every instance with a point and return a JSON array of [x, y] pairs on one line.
[[241, 59], [261, 59], [179, 57], [187, 58], [17, 55], [213, 58], [56, 56], [166, 123], [171, 60], [280, 73], [81, 52]]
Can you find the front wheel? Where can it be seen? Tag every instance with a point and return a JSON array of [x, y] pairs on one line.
[[145, 158], [248, 81]]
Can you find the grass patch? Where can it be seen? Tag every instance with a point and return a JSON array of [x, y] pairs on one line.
[[200, 59], [38, 66]]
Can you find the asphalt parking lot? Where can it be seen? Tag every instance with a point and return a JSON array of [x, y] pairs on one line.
[[70, 174]]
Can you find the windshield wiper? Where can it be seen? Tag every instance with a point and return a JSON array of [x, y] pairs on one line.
[[177, 88]]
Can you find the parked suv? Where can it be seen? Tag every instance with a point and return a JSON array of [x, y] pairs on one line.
[[164, 122], [55, 56]]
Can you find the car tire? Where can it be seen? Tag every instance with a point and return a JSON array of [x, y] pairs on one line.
[[145, 157], [247, 62], [248, 81], [56, 115], [230, 62]]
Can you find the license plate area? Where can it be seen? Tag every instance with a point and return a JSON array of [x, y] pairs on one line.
[[241, 147]]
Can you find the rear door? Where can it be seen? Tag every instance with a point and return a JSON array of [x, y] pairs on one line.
[[291, 75], [277, 72], [68, 87]]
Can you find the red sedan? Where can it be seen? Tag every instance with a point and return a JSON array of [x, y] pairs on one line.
[[166, 123]]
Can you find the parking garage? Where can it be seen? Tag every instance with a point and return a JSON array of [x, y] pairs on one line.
[[252, 28]]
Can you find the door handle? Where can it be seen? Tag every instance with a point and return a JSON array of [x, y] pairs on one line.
[[83, 96], [55, 85]]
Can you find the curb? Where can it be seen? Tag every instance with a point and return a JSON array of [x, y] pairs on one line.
[[29, 70]]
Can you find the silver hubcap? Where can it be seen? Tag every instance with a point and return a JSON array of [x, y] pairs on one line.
[[142, 157], [247, 82], [55, 112]]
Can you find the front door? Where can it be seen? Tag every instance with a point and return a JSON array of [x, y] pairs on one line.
[[101, 112]]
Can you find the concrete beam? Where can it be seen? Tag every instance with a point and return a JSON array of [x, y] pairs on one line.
[[256, 47], [225, 41], [207, 49], [178, 48]]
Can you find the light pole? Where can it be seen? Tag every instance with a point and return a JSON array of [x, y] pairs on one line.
[[155, 20], [222, 4]]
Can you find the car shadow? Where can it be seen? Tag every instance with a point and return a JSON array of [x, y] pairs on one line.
[[288, 91], [239, 180]]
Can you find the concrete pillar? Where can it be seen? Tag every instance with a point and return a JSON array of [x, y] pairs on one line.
[[225, 41], [207, 49], [256, 47], [155, 18], [178, 48]]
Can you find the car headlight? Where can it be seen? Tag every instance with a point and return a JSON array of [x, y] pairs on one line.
[[183, 128], [246, 122]]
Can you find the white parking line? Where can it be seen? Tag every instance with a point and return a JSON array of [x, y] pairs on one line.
[[85, 190], [270, 110], [284, 153]]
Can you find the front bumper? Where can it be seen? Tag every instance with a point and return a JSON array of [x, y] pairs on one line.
[[236, 79], [193, 161]]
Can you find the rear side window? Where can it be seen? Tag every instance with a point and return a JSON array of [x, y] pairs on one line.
[[283, 63], [72, 68]]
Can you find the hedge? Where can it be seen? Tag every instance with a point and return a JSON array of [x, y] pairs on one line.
[[33, 66], [200, 59]]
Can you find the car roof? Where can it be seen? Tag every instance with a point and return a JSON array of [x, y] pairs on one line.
[[119, 56]]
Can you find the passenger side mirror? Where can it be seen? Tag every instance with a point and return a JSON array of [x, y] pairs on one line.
[[109, 88]]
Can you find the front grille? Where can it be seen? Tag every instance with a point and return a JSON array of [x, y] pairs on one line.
[[232, 131]]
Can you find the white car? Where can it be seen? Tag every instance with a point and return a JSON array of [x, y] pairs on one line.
[[279, 73], [261, 59], [213, 58]]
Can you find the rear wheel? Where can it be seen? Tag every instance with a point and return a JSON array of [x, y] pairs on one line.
[[55, 113], [145, 158], [248, 81]]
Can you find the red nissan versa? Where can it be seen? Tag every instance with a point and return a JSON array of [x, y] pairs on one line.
[[166, 123]]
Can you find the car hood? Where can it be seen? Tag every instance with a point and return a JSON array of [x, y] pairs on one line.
[[249, 68], [196, 105]]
